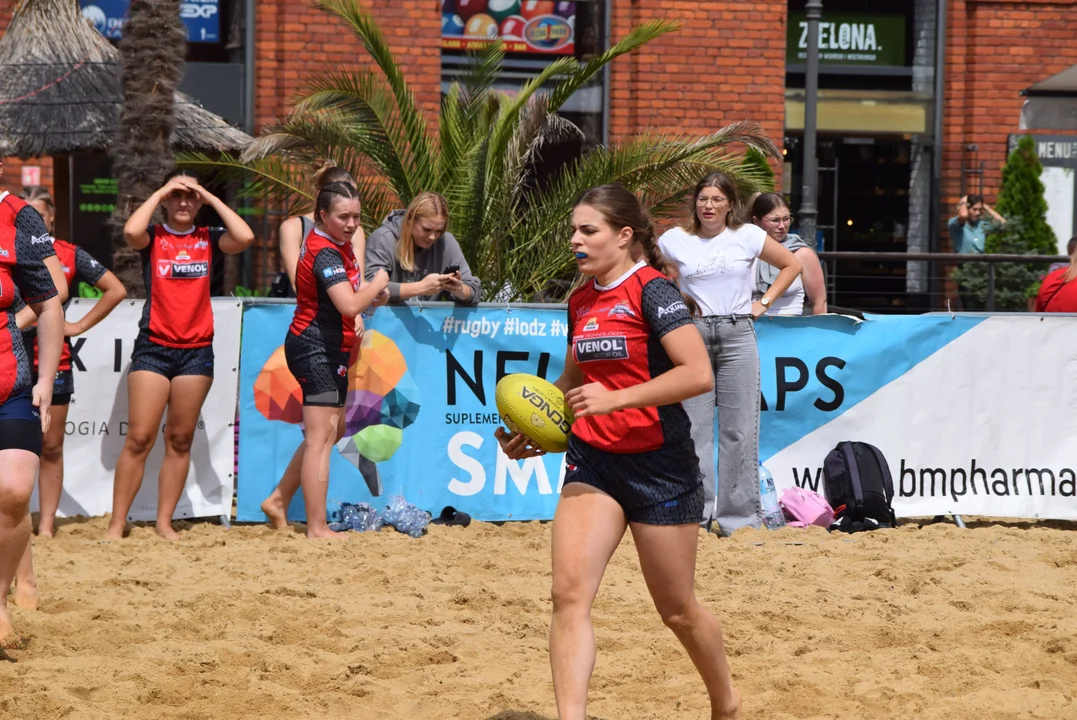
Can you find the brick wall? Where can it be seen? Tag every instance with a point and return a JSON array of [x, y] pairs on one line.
[[726, 63], [995, 50]]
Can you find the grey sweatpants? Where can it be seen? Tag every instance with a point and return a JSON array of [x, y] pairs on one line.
[[732, 491]]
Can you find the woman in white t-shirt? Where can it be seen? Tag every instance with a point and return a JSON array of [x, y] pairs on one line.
[[714, 257]]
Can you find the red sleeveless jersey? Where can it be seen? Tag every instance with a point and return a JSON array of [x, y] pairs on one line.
[[24, 245], [322, 264], [615, 334], [176, 268]]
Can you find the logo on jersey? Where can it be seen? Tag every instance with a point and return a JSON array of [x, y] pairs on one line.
[[46, 238], [342, 371], [622, 309], [606, 348], [331, 271], [182, 268], [201, 245], [581, 312], [673, 309], [65, 269], [3, 252], [591, 325]]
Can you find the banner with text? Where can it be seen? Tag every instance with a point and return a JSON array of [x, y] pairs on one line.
[[96, 424], [976, 415]]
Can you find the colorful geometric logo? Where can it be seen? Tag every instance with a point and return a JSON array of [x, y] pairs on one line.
[[382, 401]]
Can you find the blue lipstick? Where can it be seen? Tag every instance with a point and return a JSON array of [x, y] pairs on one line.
[[581, 256]]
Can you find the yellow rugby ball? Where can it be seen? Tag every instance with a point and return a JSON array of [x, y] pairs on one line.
[[532, 406]]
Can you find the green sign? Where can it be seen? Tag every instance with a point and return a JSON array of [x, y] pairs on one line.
[[849, 39]]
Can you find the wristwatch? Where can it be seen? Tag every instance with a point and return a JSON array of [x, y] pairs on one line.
[[764, 301]]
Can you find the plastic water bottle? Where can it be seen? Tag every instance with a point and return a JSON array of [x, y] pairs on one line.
[[405, 517], [773, 518]]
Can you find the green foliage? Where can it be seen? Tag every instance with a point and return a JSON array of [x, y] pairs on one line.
[[755, 164], [1021, 201], [483, 156], [88, 291], [242, 291]]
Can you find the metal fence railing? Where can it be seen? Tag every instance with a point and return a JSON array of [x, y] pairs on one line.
[[902, 282]]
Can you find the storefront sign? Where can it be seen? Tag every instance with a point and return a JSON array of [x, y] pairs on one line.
[[849, 39], [202, 18], [523, 26]]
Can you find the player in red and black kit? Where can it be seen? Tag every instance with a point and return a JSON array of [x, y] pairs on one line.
[[319, 344], [29, 271], [172, 362], [634, 355], [77, 265]]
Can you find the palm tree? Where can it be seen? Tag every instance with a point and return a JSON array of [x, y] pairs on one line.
[[482, 158]]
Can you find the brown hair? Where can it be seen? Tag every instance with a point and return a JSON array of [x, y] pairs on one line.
[[1071, 273], [328, 195], [331, 173], [767, 203], [733, 218], [620, 209], [426, 204], [39, 193]]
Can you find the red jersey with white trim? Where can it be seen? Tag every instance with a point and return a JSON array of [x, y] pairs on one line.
[[24, 244], [322, 264], [76, 264], [615, 334], [176, 268]]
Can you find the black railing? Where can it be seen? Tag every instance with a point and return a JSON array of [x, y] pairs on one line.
[[875, 282]]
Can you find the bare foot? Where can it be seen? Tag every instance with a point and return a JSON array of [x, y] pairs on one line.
[[321, 533], [45, 528], [166, 532], [115, 532], [9, 640], [732, 710], [274, 509], [44, 532], [26, 596]]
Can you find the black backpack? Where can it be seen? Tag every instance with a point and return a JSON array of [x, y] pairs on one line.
[[859, 487]]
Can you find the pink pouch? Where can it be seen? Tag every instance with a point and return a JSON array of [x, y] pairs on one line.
[[804, 507]]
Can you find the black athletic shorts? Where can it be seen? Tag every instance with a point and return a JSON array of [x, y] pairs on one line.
[[322, 373], [63, 387], [657, 487], [20, 424], [169, 361]]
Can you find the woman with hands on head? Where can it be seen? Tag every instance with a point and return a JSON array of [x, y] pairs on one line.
[[423, 260], [172, 361], [633, 356]]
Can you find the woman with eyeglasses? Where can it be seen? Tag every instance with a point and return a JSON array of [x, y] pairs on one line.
[[770, 212], [714, 254]]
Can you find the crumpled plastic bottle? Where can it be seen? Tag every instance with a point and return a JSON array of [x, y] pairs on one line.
[[405, 517]]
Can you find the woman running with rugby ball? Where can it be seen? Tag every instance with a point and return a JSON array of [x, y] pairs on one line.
[[320, 341], [630, 462], [172, 362]]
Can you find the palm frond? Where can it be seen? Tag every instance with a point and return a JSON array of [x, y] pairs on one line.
[[419, 146], [361, 98], [483, 70], [637, 37], [274, 178]]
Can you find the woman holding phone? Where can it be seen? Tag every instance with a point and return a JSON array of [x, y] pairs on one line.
[[423, 260]]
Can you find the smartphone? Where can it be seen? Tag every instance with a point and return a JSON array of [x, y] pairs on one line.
[[451, 270]]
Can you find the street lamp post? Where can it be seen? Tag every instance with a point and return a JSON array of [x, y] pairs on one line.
[[808, 211]]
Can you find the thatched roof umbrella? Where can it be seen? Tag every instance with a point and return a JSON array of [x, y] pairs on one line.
[[60, 89]]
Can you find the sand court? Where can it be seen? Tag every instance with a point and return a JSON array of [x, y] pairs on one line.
[[932, 622]]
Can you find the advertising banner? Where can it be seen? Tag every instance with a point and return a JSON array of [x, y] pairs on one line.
[[975, 415], [524, 26], [202, 18], [96, 424], [849, 39]]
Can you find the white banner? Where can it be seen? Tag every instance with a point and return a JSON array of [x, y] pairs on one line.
[[975, 415], [97, 419]]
